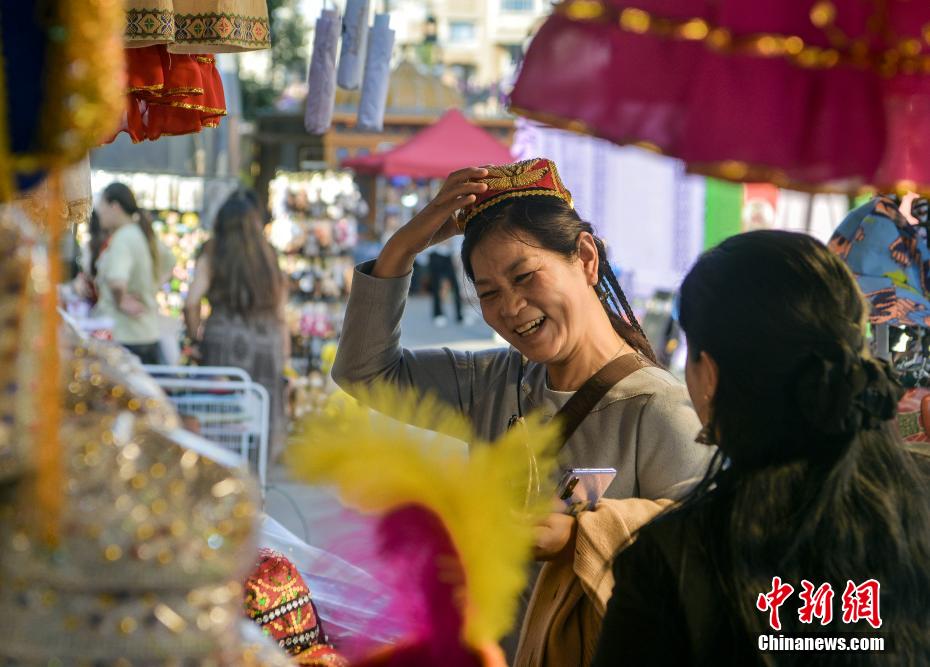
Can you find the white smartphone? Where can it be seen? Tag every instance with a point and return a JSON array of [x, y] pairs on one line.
[[581, 488]]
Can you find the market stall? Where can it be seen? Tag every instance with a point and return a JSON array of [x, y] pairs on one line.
[[315, 226]]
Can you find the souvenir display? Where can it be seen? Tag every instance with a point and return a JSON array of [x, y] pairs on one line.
[[315, 227], [198, 26], [321, 80], [153, 537]]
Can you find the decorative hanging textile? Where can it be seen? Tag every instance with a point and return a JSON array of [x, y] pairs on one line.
[[831, 94], [377, 75], [171, 94], [198, 26], [354, 40], [321, 82], [58, 97]]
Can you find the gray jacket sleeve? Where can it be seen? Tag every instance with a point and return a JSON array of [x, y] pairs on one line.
[[669, 463], [370, 351]]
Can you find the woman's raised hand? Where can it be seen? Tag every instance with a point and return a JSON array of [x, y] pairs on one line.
[[434, 224]]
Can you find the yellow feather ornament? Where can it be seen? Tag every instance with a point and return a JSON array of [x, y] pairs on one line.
[[379, 463]]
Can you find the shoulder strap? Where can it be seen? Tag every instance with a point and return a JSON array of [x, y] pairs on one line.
[[593, 390]]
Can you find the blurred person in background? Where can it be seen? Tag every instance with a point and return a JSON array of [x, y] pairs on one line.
[[238, 274], [131, 268], [85, 281], [442, 270]]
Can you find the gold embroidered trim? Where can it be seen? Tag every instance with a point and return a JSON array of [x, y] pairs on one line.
[[182, 91], [222, 28], [727, 170], [197, 107], [146, 89], [149, 24], [517, 175], [463, 221], [205, 60], [903, 55]]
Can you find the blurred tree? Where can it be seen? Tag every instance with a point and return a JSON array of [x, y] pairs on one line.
[[289, 58]]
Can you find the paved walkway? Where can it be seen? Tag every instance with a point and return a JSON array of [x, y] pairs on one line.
[[312, 513]]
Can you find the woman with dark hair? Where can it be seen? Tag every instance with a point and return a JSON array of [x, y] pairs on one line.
[[130, 272], [812, 482], [238, 274], [545, 286]]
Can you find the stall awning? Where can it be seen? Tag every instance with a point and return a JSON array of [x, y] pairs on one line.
[[449, 144]]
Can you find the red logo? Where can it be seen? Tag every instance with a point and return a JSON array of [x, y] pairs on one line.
[[817, 604], [860, 603], [774, 599]]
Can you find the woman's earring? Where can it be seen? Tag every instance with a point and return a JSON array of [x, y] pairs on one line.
[[706, 435]]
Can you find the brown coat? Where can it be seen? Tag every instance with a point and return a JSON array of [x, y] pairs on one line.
[[563, 621]]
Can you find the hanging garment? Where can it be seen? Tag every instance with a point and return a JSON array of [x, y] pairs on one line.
[[60, 97], [321, 81], [171, 94], [354, 43], [891, 262], [377, 75], [198, 26], [821, 95]]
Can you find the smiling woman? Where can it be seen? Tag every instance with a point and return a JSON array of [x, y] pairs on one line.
[[545, 286]]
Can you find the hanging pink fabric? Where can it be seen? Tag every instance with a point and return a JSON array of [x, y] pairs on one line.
[[822, 95]]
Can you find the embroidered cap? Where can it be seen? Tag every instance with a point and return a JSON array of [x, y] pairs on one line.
[[535, 177], [277, 599]]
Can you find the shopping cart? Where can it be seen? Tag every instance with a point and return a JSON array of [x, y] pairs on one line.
[[224, 406]]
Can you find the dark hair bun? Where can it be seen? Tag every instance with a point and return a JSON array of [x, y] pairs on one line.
[[845, 392]]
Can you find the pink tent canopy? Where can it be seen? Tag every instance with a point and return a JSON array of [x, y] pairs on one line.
[[449, 144]]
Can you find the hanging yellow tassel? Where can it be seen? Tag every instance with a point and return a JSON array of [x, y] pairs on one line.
[[48, 446]]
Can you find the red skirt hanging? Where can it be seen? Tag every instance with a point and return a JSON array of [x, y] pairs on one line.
[[171, 94]]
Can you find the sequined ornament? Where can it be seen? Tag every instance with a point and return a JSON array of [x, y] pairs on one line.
[[61, 82], [16, 361], [278, 599], [154, 536]]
